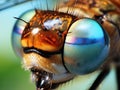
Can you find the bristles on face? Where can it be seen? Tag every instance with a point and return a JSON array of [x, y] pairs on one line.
[[46, 4], [66, 6]]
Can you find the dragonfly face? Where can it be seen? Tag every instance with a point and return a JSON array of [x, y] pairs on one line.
[[74, 39]]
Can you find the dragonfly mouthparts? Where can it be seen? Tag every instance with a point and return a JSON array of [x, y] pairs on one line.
[[43, 79]]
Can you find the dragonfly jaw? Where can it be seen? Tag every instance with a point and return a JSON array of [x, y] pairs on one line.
[[42, 79], [46, 81]]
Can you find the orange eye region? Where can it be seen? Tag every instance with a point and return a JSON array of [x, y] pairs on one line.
[[46, 31], [43, 40]]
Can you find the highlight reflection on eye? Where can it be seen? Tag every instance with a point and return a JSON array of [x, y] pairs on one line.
[[18, 29]]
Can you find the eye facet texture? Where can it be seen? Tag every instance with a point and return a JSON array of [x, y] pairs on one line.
[[86, 46]]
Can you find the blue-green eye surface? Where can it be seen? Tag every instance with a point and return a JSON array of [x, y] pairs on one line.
[[86, 46], [18, 29]]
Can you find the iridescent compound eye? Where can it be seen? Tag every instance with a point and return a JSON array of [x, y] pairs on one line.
[[86, 46], [18, 29]]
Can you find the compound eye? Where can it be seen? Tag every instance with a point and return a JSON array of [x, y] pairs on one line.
[[18, 29], [86, 46]]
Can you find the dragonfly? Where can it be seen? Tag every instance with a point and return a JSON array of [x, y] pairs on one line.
[[60, 40]]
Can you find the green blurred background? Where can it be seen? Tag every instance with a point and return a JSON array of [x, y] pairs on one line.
[[12, 76]]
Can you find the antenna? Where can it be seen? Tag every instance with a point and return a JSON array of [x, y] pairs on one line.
[[21, 19]]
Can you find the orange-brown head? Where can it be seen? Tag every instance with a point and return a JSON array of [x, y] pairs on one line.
[[46, 31], [43, 39]]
